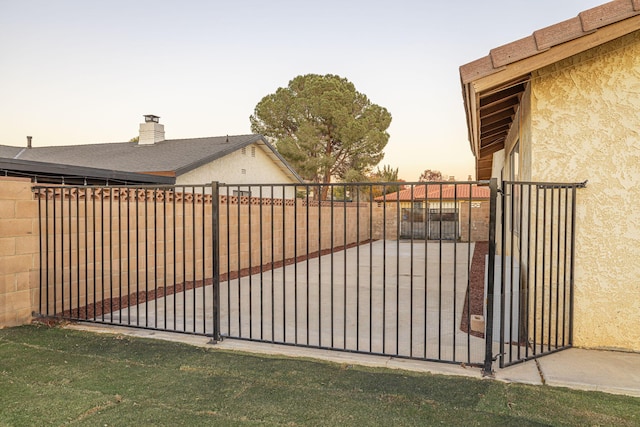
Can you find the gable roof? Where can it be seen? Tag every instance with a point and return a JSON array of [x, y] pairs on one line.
[[493, 85], [437, 191], [172, 157]]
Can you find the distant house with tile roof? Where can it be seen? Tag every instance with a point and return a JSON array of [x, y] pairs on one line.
[[563, 105], [434, 210], [243, 159]]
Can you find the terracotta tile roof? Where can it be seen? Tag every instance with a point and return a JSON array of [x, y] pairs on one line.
[[493, 85], [433, 191], [585, 23]]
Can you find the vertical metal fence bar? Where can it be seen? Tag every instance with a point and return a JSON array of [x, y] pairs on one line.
[[548, 242], [261, 267], [371, 200], [204, 259], [86, 253], [507, 192], [62, 252], [307, 275], [398, 222], [543, 273], [215, 251], [273, 264], [487, 368], [512, 217], [455, 265], [528, 275], [319, 201], [535, 276], [146, 257], [558, 266], [164, 257], [250, 248], [110, 247], [70, 237], [357, 188], [77, 315], [103, 247], [521, 290], [332, 301], [284, 267], [44, 255], [55, 256], [572, 261], [128, 251], [411, 213], [564, 270], [119, 258], [469, 239], [93, 242], [228, 226], [295, 264], [384, 268], [344, 270], [184, 259], [440, 273], [426, 226]]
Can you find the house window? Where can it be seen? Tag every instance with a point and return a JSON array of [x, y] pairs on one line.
[[253, 151], [244, 151], [244, 171], [515, 162]]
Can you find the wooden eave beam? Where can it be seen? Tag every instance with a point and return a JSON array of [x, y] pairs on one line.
[[500, 115], [502, 95], [492, 148], [490, 126], [498, 107]]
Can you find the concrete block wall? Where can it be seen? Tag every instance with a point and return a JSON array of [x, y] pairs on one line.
[[96, 254], [19, 251]]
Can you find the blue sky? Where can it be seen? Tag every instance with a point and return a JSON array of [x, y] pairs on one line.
[[75, 72]]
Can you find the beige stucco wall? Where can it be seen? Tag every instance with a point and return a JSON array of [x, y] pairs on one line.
[[585, 125], [242, 168]]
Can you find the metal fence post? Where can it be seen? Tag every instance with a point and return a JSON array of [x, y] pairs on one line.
[[215, 252], [488, 333]]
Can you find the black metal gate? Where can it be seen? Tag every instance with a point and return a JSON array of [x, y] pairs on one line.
[[534, 271], [320, 266]]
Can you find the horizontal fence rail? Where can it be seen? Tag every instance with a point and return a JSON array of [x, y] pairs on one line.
[[535, 270], [384, 268]]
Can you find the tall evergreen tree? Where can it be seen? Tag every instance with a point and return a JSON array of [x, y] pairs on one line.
[[324, 127]]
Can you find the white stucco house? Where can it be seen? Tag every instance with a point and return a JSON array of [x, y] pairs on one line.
[[240, 159]]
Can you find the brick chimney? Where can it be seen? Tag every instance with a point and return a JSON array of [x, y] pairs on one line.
[[151, 131]]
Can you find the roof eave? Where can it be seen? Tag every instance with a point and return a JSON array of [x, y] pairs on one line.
[[519, 59]]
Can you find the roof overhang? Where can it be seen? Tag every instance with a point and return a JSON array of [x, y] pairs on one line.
[[492, 86], [79, 175]]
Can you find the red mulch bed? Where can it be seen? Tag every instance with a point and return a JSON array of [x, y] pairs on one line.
[[108, 305], [474, 301]]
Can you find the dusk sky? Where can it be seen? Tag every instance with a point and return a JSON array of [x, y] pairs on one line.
[[78, 72]]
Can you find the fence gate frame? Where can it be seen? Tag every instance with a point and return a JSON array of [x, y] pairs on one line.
[[536, 261]]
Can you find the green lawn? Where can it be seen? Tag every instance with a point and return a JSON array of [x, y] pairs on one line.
[[56, 376]]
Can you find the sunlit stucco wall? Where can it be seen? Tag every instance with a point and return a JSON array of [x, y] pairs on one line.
[[248, 166], [585, 125]]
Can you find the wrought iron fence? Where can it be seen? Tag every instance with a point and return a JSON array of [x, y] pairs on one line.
[[337, 266]]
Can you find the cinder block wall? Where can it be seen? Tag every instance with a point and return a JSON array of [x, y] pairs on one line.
[[19, 251], [108, 270]]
